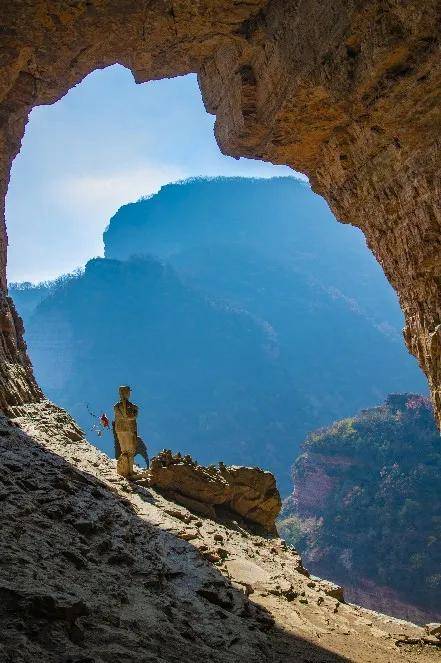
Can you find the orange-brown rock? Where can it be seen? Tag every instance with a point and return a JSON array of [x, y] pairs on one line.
[[247, 491], [346, 91]]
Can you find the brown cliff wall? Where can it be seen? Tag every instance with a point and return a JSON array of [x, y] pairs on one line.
[[347, 92]]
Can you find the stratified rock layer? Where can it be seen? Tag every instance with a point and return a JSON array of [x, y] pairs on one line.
[[347, 92], [247, 491]]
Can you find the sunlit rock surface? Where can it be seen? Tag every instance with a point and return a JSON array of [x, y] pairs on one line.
[[365, 512], [247, 491], [93, 567]]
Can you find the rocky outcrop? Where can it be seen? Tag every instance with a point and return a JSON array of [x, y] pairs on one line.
[[96, 568], [346, 92], [17, 383], [247, 491]]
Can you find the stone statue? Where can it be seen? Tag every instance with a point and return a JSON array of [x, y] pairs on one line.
[[126, 431], [141, 449]]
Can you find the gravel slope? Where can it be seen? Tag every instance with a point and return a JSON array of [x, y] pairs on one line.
[[95, 570]]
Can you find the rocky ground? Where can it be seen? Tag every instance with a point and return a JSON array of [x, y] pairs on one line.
[[95, 569]]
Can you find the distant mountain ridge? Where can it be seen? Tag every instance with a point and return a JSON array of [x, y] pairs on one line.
[[280, 219], [241, 313]]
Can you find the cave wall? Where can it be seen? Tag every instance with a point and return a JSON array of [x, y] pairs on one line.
[[345, 91]]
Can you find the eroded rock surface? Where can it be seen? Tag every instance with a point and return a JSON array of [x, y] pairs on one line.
[[247, 491], [347, 92], [94, 568]]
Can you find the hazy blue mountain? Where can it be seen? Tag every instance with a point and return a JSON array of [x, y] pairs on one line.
[[240, 312], [28, 295], [279, 219], [199, 371]]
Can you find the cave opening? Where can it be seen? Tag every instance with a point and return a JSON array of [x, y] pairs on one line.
[[222, 294], [140, 172], [347, 94]]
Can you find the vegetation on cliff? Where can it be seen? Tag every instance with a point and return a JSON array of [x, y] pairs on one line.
[[366, 504]]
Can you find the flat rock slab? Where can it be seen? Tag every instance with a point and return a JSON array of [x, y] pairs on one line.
[[247, 573]]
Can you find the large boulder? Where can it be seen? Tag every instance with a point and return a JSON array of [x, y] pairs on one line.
[[248, 491], [254, 494]]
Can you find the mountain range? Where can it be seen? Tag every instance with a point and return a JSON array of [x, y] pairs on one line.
[[242, 315]]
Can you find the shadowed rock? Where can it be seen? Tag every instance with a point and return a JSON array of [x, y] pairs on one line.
[[149, 581]]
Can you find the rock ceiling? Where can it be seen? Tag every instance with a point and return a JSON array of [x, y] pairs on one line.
[[346, 91]]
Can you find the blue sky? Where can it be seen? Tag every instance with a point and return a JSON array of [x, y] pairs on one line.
[[107, 142]]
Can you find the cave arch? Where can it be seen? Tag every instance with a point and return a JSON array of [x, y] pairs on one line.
[[346, 92]]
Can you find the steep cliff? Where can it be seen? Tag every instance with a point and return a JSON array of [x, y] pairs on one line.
[[250, 241], [366, 507]]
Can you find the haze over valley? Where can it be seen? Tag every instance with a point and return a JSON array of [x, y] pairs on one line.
[[242, 315]]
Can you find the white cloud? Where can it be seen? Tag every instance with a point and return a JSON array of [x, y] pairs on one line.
[[97, 197]]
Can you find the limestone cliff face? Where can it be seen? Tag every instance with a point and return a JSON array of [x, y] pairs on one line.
[[17, 383], [347, 92]]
